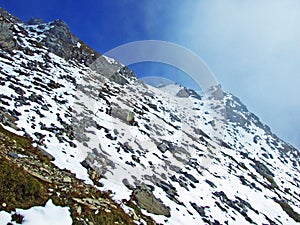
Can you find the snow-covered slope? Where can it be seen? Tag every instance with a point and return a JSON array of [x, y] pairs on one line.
[[147, 145]]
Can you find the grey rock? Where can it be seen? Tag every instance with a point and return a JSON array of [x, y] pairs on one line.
[[127, 184], [60, 41], [199, 209], [6, 34], [163, 147], [124, 115], [185, 93], [146, 200], [117, 78]]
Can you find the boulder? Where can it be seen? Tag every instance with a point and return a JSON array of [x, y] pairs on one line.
[[146, 200], [117, 78], [163, 147], [124, 115]]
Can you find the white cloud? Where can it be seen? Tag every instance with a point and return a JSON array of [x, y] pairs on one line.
[[253, 46]]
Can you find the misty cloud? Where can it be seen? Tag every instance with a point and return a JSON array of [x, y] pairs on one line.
[[253, 47]]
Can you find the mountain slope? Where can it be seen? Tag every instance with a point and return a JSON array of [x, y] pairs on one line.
[[143, 144]]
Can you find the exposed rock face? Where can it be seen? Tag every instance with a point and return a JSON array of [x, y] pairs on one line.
[[6, 30], [60, 41], [246, 118], [185, 92], [63, 43], [6, 37]]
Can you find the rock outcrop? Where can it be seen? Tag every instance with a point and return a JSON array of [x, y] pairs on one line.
[[146, 200], [106, 134]]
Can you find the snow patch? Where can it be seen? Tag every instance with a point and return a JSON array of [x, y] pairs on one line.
[[50, 214]]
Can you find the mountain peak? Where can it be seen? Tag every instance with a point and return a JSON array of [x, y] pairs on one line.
[[187, 92], [95, 121], [35, 21]]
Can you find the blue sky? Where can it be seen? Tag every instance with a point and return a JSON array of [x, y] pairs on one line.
[[252, 46]]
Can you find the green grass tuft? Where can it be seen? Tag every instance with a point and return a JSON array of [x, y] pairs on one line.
[[18, 189]]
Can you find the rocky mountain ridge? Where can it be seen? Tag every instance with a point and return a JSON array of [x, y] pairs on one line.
[[145, 146], [58, 39]]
